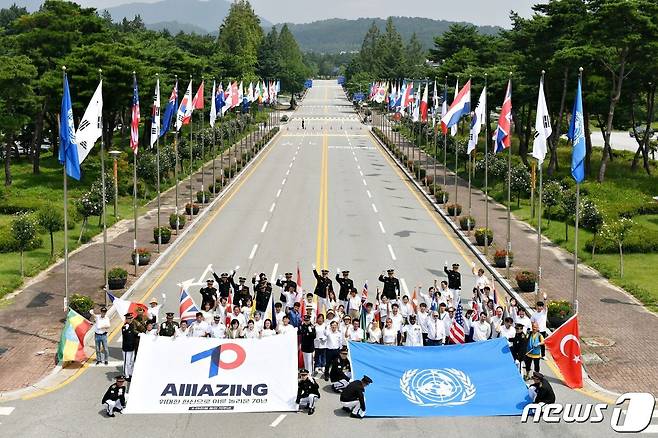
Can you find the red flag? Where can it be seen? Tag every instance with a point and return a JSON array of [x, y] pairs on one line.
[[414, 301], [567, 354], [134, 122], [299, 279], [423, 106], [197, 102]]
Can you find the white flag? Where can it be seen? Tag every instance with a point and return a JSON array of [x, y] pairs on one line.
[[155, 114], [185, 109], [213, 108], [453, 129], [415, 112], [478, 120], [542, 127], [90, 128]]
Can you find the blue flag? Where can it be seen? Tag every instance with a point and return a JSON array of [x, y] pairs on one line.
[[68, 149], [576, 134], [220, 101], [475, 379], [172, 106]]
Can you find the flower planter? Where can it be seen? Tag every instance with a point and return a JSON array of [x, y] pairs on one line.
[[556, 321], [480, 234], [191, 210], [526, 281], [499, 258], [454, 209], [164, 234], [202, 197], [116, 283], [143, 259], [441, 196], [172, 221], [466, 223]]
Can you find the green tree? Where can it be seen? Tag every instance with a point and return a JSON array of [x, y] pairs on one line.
[[390, 53], [617, 231], [24, 231], [51, 219], [415, 56], [240, 36], [370, 58], [269, 57], [293, 70]]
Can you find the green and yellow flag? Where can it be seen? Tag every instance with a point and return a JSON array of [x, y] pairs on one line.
[[72, 341]]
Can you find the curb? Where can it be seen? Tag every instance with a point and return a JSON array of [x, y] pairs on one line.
[[482, 259]]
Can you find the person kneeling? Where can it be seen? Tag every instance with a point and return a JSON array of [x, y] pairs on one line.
[[115, 397], [308, 391], [352, 397], [340, 371]]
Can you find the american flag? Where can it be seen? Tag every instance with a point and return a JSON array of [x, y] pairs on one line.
[[134, 125], [187, 308], [457, 327]]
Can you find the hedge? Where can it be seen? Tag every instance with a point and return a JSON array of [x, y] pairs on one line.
[[640, 240]]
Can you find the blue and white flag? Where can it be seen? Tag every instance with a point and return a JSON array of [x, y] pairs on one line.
[[68, 149], [577, 136], [476, 379]]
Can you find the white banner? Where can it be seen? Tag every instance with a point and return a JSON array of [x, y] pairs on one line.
[[199, 375]]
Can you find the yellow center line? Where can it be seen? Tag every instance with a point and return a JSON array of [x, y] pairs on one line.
[[321, 250], [326, 202], [193, 238]]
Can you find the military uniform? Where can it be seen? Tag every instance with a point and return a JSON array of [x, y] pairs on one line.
[[224, 284], [263, 291], [454, 282], [391, 286], [346, 285], [323, 286], [208, 295], [168, 328], [285, 284], [114, 398], [340, 372], [129, 341], [308, 391]]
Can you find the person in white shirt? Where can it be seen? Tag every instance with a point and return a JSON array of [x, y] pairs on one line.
[[340, 312], [424, 320], [291, 295], [354, 332], [251, 332], [354, 303], [221, 308], [344, 324], [207, 312], [309, 306], [279, 313], [446, 293], [480, 279], [320, 344], [522, 318], [200, 328], [436, 333], [389, 333], [481, 329], [267, 329], [183, 331], [374, 333], [396, 317], [237, 314], [447, 318], [413, 333], [258, 322], [335, 340], [507, 330], [383, 308], [151, 330], [540, 316], [217, 328], [497, 321], [286, 328], [406, 308], [370, 314], [247, 308], [331, 302], [101, 327], [153, 312]]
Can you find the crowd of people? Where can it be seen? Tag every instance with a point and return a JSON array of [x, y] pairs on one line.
[[325, 321]]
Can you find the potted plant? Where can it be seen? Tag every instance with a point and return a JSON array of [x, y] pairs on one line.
[[163, 233], [176, 217], [480, 234], [526, 281], [81, 304], [467, 223], [116, 278], [143, 256], [202, 197], [501, 258], [558, 313], [454, 209], [440, 195], [191, 208]]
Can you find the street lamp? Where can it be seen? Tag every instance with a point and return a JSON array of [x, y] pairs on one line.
[[115, 156]]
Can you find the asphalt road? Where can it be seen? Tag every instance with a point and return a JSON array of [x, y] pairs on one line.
[[358, 214]]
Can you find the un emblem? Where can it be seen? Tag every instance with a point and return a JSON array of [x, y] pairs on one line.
[[437, 387]]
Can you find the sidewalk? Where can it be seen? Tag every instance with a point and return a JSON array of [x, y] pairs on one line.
[[618, 345], [31, 321]]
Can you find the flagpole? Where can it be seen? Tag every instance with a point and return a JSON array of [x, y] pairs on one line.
[[203, 146], [445, 151], [214, 145], [135, 255], [456, 164], [575, 252], [157, 163], [176, 163], [427, 130], [539, 213], [191, 158], [509, 198], [104, 197], [486, 172], [66, 216]]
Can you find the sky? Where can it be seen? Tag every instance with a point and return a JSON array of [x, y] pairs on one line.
[[494, 12]]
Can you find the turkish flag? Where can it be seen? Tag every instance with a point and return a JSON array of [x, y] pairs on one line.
[[564, 345]]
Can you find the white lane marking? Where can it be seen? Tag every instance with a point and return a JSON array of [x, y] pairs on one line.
[[278, 193], [364, 182], [404, 286], [262, 230], [360, 173], [293, 158], [6, 410], [272, 207], [276, 267], [374, 208], [381, 227], [110, 364], [355, 159], [358, 167], [283, 182], [253, 251], [206, 272], [390, 250], [290, 166], [288, 172], [278, 420], [369, 194]]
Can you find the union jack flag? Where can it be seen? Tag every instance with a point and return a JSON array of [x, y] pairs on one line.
[[457, 327], [364, 293], [503, 133], [134, 125], [187, 308]]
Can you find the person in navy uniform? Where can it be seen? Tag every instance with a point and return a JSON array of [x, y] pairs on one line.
[[391, 285], [208, 294], [129, 341], [308, 391], [115, 396], [323, 285], [454, 281], [287, 283], [346, 285], [340, 371], [224, 283], [352, 398]]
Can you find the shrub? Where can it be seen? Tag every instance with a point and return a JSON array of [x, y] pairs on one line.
[[9, 244], [480, 234], [441, 195], [284, 118], [590, 216], [551, 196], [191, 209], [454, 209], [143, 251], [163, 232], [467, 223], [520, 182], [559, 309], [81, 304], [52, 220], [24, 231], [526, 281], [203, 197], [500, 257], [117, 273], [172, 221]]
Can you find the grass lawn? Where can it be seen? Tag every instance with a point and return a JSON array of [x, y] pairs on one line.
[[621, 192]]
